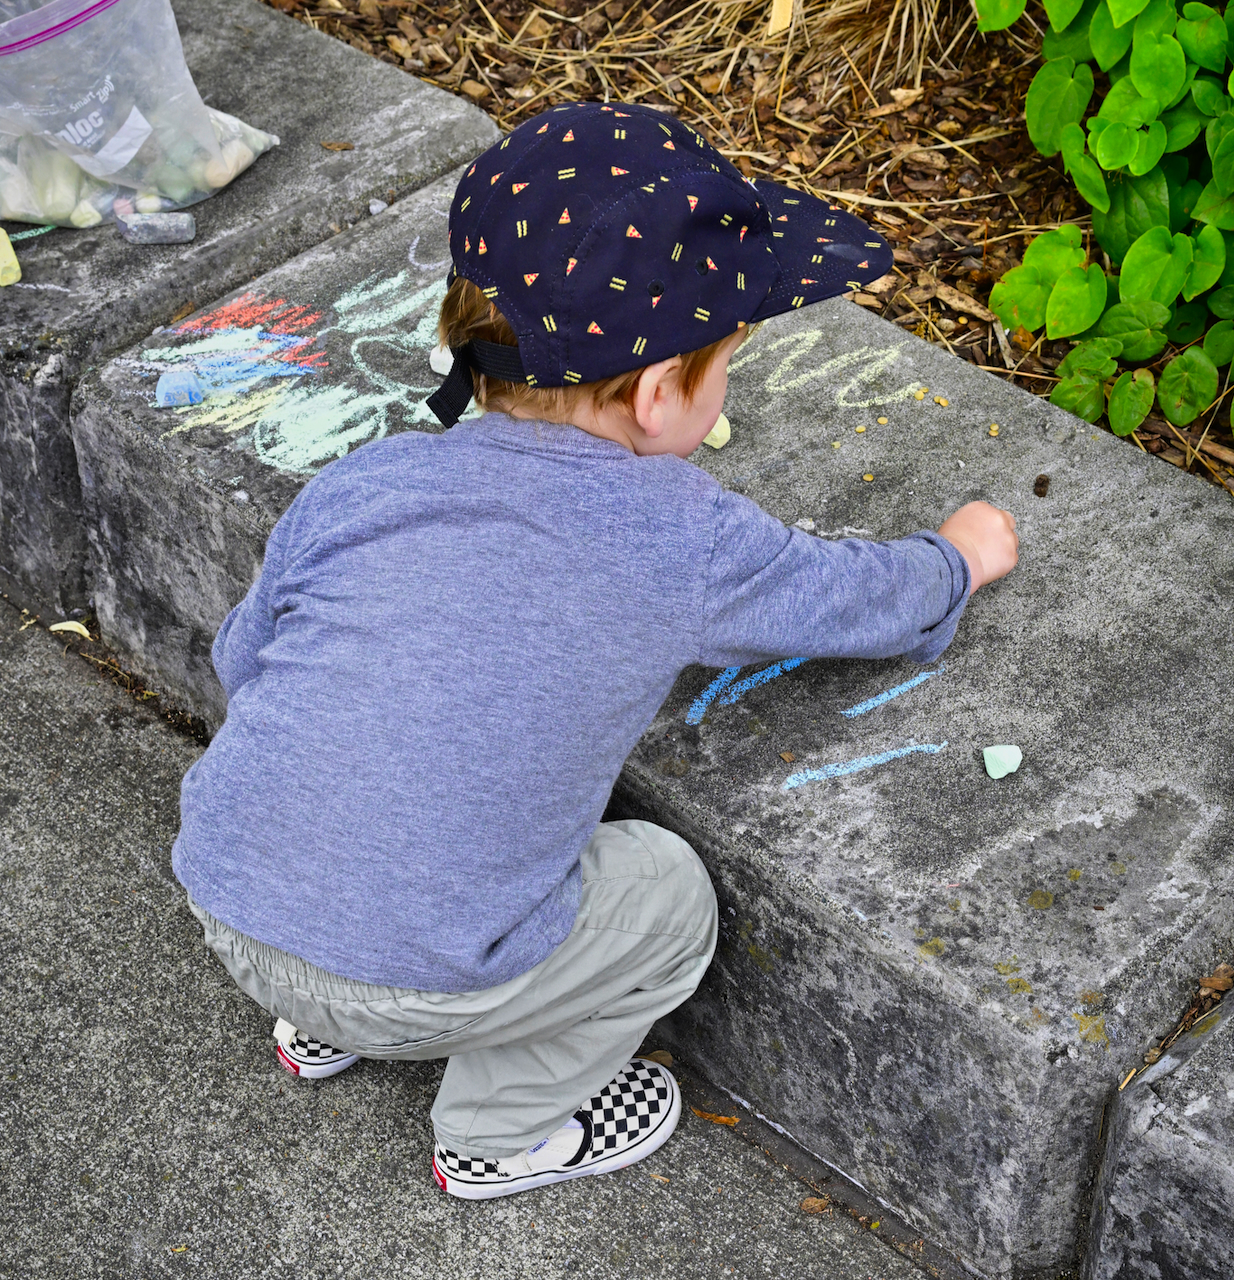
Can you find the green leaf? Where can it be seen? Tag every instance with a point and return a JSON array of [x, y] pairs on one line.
[[1158, 18], [1158, 65], [1074, 42], [1082, 395], [1125, 104], [1188, 386], [1130, 401], [1185, 91], [1219, 343], [1108, 42], [1207, 262], [1188, 323], [1150, 147], [1053, 252], [1183, 125], [1096, 357], [1135, 205], [1061, 12], [995, 15], [1138, 325], [1221, 302], [1156, 266], [1085, 173], [1058, 95], [1214, 208], [1122, 11], [1208, 96], [1117, 145], [1227, 275], [1019, 299], [1076, 302], [1223, 159], [1203, 36], [1217, 130]]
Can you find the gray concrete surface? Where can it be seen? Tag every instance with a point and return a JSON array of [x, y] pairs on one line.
[[86, 294], [149, 1132], [927, 978], [1162, 1207]]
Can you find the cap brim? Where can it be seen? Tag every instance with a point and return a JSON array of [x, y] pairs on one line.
[[822, 250]]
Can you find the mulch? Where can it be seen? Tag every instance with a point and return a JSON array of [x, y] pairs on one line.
[[896, 109]]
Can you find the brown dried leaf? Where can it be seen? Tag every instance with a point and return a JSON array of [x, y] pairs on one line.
[[787, 757], [901, 98], [476, 91], [707, 1115], [339, 146], [816, 1204], [958, 301], [662, 1056], [400, 46], [1219, 980]]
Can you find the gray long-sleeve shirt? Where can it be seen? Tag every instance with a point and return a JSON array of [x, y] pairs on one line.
[[454, 643]]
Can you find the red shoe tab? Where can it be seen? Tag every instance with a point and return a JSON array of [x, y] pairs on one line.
[[286, 1062], [441, 1181]]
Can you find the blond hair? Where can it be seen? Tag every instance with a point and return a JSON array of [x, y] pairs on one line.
[[466, 314]]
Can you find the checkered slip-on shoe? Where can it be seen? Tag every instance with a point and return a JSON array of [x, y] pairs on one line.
[[628, 1119], [303, 1056]]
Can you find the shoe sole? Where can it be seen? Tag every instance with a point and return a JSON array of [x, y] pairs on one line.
[[610, 1164], [313, 1070]]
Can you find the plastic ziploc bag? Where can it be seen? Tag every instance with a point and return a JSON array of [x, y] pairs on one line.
[[99, 116]]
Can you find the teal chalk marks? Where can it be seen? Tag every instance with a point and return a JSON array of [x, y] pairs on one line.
[[845, 767], [877, 701], [25, 235], [719, 687]]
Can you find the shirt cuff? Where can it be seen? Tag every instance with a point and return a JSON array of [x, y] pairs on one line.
[[939, 636]]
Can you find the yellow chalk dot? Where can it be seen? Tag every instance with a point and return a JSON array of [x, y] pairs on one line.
[[835, 444], [882, 422], [994, 430], [867, 477], [941, 400], [920, 395], [860, 430]]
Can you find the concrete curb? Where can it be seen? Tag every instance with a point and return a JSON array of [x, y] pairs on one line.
[[86, 294]]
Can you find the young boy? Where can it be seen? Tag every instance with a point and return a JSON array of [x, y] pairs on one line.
[[394, 842]]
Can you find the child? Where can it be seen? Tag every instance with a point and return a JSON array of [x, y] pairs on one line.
[[394, 842]]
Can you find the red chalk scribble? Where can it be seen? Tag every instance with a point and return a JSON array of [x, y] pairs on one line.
[[253, 311]]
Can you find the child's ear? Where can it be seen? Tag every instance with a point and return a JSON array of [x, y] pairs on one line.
[[654, 395]]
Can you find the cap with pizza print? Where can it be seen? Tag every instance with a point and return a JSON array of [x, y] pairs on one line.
[[611, 237]]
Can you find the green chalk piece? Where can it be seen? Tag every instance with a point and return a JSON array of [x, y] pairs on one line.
[[1002, 760]]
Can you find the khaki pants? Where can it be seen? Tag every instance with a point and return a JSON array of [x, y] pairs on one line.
[[525, 1054]]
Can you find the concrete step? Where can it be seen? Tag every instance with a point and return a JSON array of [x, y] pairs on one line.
[[1162, 1204], [149, 1131], [929, 979], [86, 294]]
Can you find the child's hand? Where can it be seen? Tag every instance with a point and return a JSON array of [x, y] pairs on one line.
[[985, 537]]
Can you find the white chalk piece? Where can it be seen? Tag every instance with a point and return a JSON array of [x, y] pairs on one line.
[[177, 387], [377, 206], [1002, 760], [10, 268], [441, 361], [720, 434]]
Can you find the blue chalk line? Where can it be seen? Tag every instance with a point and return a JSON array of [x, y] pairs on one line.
[[856, 766], [25, 235], [877, 701], [698, 708]]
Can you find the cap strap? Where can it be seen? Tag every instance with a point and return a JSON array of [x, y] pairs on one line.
[[493, 359]]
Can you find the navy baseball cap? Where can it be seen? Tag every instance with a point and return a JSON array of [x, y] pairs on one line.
[[613, 236]]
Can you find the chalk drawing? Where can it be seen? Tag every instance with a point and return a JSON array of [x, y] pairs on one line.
[[301, 422], [873, 362], [857, 766], [719, 687], [877, 701]]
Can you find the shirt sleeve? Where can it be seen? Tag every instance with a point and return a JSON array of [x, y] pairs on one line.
[[774, 592], [249, 627]]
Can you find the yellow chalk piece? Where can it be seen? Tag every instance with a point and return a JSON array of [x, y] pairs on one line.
[[920, 395], [882, 422], [860, 430], [10, 268], [75, 627], [835, 444], [781, 16], [720, 434], [867, 477], [941, 400]]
